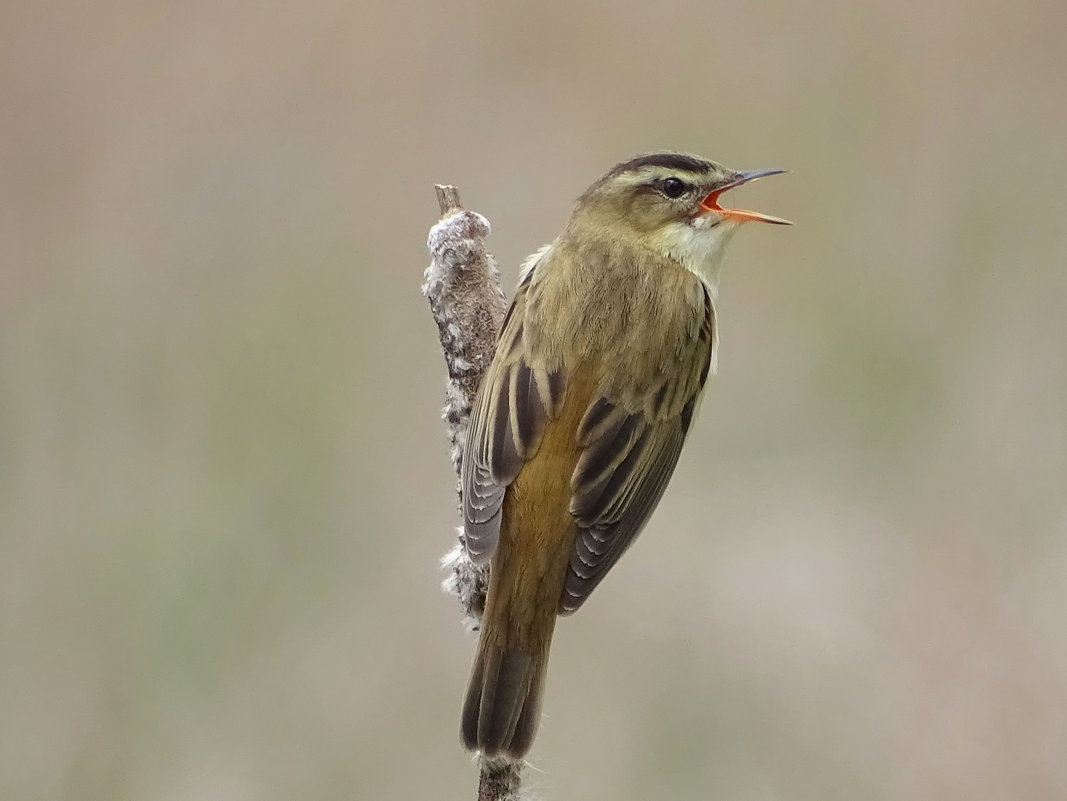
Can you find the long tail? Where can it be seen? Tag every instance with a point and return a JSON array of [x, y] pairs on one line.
[[503, 703]]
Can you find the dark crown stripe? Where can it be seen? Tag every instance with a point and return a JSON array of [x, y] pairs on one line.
[[668, 161]]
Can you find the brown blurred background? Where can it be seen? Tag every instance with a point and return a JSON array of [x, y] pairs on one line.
[[224, 486]]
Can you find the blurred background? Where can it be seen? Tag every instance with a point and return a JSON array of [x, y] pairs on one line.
[[224, 484]]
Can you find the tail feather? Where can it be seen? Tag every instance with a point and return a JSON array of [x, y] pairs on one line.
[[503, 703]]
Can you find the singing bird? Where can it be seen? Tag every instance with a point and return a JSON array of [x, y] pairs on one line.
[[581, 416]]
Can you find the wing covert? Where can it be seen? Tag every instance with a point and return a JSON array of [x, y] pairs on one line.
[[629, 452]]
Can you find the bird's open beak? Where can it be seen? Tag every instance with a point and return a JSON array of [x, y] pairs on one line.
[[711, 202]]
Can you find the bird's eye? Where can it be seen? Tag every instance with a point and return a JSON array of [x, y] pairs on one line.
[[673, 187]]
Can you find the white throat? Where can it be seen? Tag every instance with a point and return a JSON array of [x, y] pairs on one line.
[[699, 245]]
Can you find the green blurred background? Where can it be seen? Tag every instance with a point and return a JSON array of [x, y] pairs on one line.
[[224, 484]]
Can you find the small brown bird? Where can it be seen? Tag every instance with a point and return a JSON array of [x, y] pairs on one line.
[[598, 372]]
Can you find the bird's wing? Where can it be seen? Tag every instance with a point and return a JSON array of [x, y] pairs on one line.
[[517, 397], [629, 451]]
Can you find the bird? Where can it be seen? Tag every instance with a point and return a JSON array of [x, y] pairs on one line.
[[579, 420]]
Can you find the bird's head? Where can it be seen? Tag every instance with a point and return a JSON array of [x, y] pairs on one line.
[[670, 203]]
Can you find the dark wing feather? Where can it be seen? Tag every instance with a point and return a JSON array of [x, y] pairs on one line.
[[628, 455], [614, 498], [515, 400]]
